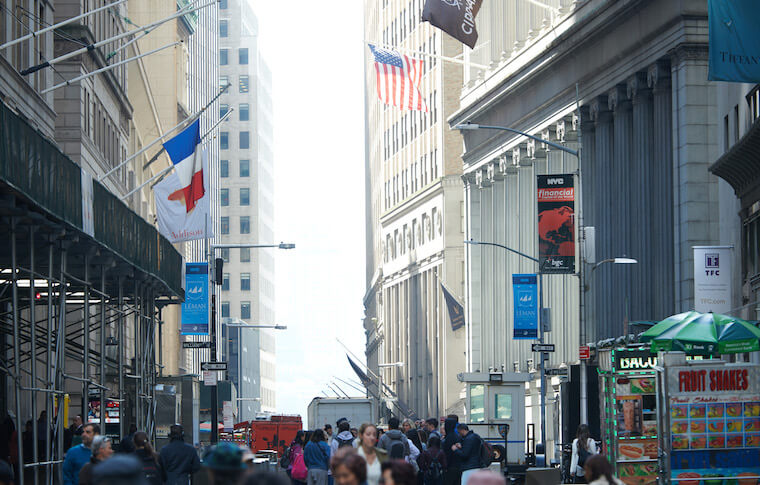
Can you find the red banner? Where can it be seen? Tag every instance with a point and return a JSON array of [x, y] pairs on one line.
[[556, 223]]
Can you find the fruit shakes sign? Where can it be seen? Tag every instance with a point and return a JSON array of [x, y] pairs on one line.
[[556, 223]]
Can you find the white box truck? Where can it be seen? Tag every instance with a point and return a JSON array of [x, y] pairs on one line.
[[357, 410]]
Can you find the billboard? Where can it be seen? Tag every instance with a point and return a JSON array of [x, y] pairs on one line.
[[195, 309], [556, 223], [525, 294], [712, 278]]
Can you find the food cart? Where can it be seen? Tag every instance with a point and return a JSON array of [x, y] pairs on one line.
[[709, 417], [628, 394]]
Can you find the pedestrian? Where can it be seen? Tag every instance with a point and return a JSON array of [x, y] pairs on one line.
[[121, 469], [329, 433], [486, 477], [149, 459], [179, 459], [43, 432], [6, 473], [224, 463], [598, 471], [406, 425], [343, 438], [79, 455], [372, 456], [468, 451], [295, 450], [453, 475], [316, 456], [431, 426], [415, 448], [394, 441], [6, 431], [422, 435], [398, 472], [348, 467], [127, 444], [101, 451], [583, 448], [76, 427], [432, 462]]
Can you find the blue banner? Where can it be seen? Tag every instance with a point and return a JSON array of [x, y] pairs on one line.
[[525, 292], [456, 310], [195, 309], [734, 53]]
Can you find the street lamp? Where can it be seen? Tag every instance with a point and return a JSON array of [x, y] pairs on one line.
[[540, 322]]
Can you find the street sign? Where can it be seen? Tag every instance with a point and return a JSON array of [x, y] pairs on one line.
[[209, 378], [584, 352], [542, 347], [556, 372], [196, 345], [213, 365]]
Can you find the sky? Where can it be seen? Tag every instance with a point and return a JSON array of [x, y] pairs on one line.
[[315, 52]]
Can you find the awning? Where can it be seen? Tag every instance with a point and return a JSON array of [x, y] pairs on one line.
[[740, 166]]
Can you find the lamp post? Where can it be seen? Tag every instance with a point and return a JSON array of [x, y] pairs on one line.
[[540, 325], [212, 333], [582, 316]]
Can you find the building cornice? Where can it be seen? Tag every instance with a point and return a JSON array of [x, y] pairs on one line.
[[408, 205]]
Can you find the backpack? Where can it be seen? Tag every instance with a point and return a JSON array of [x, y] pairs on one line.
[[285, 459], [398, 450], [346, 442], [434, 473], [486, 453], [583, 455], [299, 470]]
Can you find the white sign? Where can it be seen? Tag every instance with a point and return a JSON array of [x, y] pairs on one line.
[[229, 422], [712, 278], [209, 378], [88, 220]]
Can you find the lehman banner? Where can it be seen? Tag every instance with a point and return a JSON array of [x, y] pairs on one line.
[[195, 309], [556, 223]]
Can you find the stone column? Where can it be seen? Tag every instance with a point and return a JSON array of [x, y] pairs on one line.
[[589, 189], [600, 195], [473, 272]]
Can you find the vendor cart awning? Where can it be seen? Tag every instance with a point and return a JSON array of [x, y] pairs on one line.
[[703, 334]]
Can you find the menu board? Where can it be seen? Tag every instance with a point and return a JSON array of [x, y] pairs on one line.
[[636, 426], [699, 425]]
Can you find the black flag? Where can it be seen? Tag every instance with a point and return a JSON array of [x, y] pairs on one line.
[[456, 311], [455, 17], [366, 382]]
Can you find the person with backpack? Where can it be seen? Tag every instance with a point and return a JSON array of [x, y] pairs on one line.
[[469, 451], [316, 458], [343, 438], [394, 441], [453, 474], [151, 464], [583, 448], [432, 462], [295, 454]]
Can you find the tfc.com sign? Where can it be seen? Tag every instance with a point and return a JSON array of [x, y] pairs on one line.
[[712, 278]]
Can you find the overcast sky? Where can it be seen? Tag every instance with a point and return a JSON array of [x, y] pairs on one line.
[[315, 52]]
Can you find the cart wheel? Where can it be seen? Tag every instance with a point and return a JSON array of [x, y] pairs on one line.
[[499, 453]]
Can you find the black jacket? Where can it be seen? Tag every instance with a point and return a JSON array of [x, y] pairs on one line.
[[470, 452], [452, 438], [154, 472], [179, 461]]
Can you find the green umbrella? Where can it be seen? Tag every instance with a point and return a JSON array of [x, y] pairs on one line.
[[703, 334]]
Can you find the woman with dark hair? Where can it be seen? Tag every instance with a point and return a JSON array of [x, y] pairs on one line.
[[295, 449], [398, 472], [583, 448], [599, 471], [432, 463], [415, 448], [154, 472], [348, 468], [316, 456]]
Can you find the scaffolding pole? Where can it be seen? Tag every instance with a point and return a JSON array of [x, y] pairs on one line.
[[33, 349]]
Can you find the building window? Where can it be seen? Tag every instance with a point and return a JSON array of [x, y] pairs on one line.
[[222, 4], [245, 225], [244, 112], [225, 225], [223, 109], [243, 84], [245, 309], [224, 168], [223, 81], [477, 403], [245, 196], [226, 255], [245, 255], [245, 281], [226, 282], [245, 140], [243, 56], [224, 140], [225, 309], [222, 28], [245, 168], [502, 406], [223, 57], [224, 197]]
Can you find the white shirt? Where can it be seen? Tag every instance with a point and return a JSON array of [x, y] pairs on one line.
[[374, 471], [574, 468]]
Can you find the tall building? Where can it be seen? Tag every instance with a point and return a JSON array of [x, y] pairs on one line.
[[414, 219], [246, 196]]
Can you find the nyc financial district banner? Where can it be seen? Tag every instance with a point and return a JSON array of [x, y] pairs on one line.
[[556, 223]]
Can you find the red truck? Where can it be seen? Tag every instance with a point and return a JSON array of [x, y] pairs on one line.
[[275, 433]]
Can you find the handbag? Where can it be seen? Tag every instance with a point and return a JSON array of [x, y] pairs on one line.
[[299, 470]]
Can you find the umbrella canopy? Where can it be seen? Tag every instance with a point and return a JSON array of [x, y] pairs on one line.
[[703, 334]]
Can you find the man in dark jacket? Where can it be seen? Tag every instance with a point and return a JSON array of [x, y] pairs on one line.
[[468, 451], [394, 436], [178, 458], [453, 473]]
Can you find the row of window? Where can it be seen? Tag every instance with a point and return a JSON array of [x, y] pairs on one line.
[[245, 224], [224, 56], [406, 129], [244, 140], [403, 24], [411, 179], [244, 168], [426, 229], [245, 197], [244, 111], [245, 255], [245, 309], [245, 282], [244, 82]]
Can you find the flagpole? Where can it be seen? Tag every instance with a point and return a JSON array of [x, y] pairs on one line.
[[436, 56], [168, 169]]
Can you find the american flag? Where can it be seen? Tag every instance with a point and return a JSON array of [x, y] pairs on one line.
[[398, 79]]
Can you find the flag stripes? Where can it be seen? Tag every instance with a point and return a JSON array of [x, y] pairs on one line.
[[398, 79]]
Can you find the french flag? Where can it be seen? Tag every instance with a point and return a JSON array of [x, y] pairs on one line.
[[185, 153]]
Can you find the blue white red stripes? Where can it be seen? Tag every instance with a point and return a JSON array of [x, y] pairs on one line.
[[398, 79]]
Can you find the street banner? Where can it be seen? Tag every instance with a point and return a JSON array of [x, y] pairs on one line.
[[183, 197], [556, 223], [364, 378], [456, 310], [734, 41], [455, 17], [227, 416], [525, 294], [712, 278], [195, 309]]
